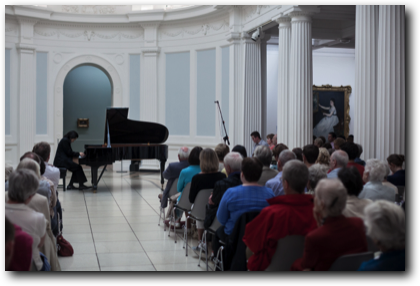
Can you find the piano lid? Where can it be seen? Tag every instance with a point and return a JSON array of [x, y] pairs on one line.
[[125, 131]]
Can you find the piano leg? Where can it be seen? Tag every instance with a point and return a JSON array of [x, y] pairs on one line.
[[94, 178], [162, 168]]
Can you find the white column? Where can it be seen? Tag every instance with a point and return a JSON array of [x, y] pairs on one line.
[[283, 81], [263, 48], [365, 84], [252, 90], [300, 104], [148, 87], [390, 101]]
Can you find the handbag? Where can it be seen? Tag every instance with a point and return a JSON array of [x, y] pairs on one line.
[[64, 247]]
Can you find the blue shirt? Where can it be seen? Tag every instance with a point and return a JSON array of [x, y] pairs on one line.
[[276, 185], [376, 191], [388, 261], [239, 200], [185, 177], [262, 142], [333, 174]]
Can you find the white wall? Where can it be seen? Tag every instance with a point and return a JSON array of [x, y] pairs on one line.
[[272, 72]]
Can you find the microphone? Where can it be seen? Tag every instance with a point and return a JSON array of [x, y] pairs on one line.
[[216, 101]]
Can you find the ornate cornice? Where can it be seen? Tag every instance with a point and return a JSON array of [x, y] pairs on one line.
[[150, 50], [234, 36]]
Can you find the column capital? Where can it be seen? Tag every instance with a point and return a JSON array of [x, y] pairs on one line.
[[283, 21], [301, 13], [150, 51], [233, 37]]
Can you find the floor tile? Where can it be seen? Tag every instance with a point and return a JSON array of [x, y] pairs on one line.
[[161, 245], [76, 221], [84, 269], [182, 267], [83, 247], [104, 214], [107, 220], [78, 261], [77, 237], [123, 259], [75, 228], [171, 257], [129, 268], [114, 236], [118, 247], [70, 214], [115, 227]]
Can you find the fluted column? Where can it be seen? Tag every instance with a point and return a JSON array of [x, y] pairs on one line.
[[390, 101], [283, 80], [149, 88], [252, 90], [365, 83], [300, 100]]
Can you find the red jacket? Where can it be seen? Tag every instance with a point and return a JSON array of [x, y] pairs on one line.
[[359, 168], [286, 215], [337, 237]]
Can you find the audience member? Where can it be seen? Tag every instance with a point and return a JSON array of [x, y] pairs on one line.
[[172, 173], [249, 196], [299, 153], [264, 154], [339, 159], [350, 139], [338, 142], [323, 139], [241, 150], [43, 150], [385, 180], [286, 215], [310, 154], [373, 189], [398, 173], [209, 175], [353, 183], [323, 158], [318, 142], [331, 138], [342, 137], [23, 185], [275, 183], [336, 235], [10, 242], [358, 160], [221, 151], [385, 223], [275, 140], [22, 250], [270, 141], [256, 138], [352, 151], [278, 149], [317, 172], [232, 162], [8, 171]]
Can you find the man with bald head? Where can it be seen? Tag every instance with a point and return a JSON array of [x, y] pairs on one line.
[[338, 160], [172, 173]]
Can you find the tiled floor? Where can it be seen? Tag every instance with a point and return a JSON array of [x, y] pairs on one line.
[[117, 229]]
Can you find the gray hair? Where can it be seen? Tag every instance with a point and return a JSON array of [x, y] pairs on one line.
[[296, 174], [387, 169], [264, 154], [184, 153], [376, 170], [285, 156], [385, 222], [8, 171], [317, 172], [233, 160], [319, 142], [341, 157], [23, 183], [28, 163], [333, 194]]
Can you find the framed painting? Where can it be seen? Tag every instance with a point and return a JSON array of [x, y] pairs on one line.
[[331, 110]]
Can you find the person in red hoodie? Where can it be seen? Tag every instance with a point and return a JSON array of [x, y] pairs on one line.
[[352, 150], [290, 214], [336, 235]]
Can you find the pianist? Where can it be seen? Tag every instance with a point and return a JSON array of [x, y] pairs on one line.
[[64, 159]]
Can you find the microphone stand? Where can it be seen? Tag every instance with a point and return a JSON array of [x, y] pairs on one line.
[[226, 138]]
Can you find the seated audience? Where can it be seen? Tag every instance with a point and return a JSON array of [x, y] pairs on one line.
[[310, 154], [323, 139], [395, 163], [274, 140], [249, 196], [23, 185], [339, 159], [299, 153], [331, 137], [353, 183], [352, 151], [342, 137], [241, 150], [10, 242], [358, 160], [8, 171], [318, 142], [290, 214], [43, 150], [275, 184], [373, 189], [336, 235], [209, 175], [385, 223], [221, 151], [270, 141], [338, 142], [385, 180], [278, 149], [350, 139], [232, 162], [256, 138], [172, 173], [323, 158], [317, 172], [264, 154]]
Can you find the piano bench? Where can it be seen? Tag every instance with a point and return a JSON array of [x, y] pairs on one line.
[[63, 173]]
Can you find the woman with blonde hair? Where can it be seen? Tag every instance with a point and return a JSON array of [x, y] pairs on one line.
[[323, 158]]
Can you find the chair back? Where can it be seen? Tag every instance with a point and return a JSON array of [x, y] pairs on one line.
[[215, 225], [184, 201], [288, 249], [371, 245], [173, 190], [351, 262], [401, 190], [198, 210]]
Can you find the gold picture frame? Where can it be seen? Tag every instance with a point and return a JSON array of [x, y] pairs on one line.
[[341, 95]]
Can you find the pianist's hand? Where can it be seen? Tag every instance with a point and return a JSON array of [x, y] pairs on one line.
[[82, 154]]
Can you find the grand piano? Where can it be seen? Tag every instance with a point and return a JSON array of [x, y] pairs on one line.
[[126, 139]]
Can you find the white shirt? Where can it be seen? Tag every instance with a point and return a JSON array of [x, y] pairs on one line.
[[31, 222], [52, 173]]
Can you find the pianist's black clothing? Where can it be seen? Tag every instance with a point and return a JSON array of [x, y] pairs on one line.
[[64, 159]]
